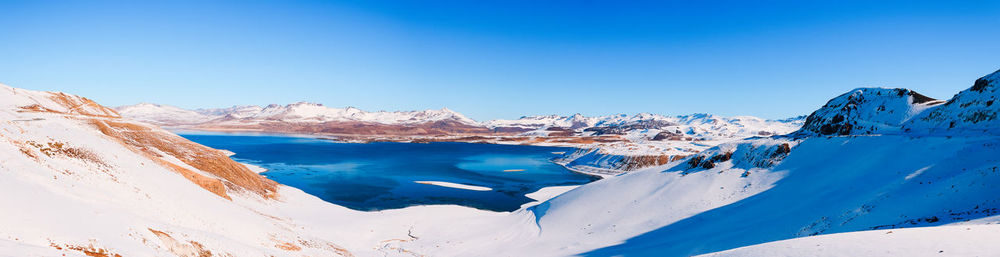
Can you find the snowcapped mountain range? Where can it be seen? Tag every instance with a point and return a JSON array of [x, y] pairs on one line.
[[643, 125], [297, 112], [874, 172], [609, 144]]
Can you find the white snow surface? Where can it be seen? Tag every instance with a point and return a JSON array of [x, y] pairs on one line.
[[959, 240]]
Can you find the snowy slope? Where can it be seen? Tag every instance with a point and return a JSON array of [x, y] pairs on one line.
[[762, 190], [101, 184], [959, 240], [79, 180]]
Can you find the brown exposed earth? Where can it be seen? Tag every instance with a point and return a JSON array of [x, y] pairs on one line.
[[154, 143]]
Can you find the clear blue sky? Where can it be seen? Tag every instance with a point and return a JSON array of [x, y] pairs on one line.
[[498, 59]]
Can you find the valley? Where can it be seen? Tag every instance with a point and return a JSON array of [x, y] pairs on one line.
[[611, 144]]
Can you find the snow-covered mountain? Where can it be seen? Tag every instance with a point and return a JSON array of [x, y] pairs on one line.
[[311, 118], [297, 112], [163, 114], [703, 126], [528, 123], [865, 111]]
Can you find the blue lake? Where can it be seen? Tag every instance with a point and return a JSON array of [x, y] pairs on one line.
[[378, 176]]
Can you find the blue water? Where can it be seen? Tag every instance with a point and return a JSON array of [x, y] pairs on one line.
[[378, 176]]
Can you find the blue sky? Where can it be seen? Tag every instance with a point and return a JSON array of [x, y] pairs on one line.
[[498, 59]]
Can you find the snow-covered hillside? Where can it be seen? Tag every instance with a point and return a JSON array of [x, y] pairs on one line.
[[79, 180], [876, 175], [956, 240]]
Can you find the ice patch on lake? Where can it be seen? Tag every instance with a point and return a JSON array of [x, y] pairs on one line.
[[454, 185]]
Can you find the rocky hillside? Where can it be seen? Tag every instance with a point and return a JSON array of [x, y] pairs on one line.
[[971, 111], [866, 111]]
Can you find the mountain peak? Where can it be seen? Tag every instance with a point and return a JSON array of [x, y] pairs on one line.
[[865, 111], [973, 110]]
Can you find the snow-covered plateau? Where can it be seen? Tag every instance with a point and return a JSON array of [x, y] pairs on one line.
[[873, 172]]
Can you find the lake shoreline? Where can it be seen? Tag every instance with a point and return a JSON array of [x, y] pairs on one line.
[[392, 175]]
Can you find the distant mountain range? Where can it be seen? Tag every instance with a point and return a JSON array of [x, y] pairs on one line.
[[314, 118], [296, 112]]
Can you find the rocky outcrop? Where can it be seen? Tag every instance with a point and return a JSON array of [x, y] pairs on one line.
[[594, 161], [745, 155], [866, 111], [973, 110], [673, 136]]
